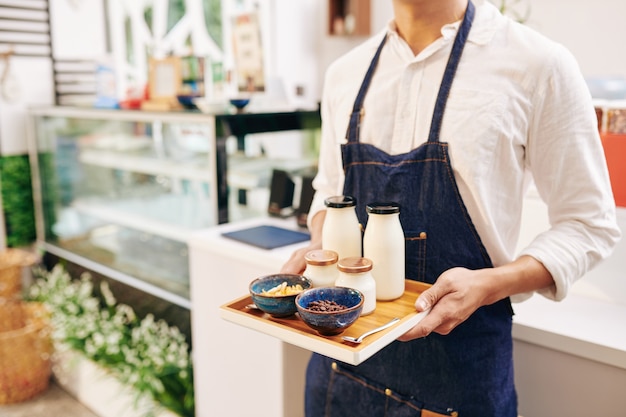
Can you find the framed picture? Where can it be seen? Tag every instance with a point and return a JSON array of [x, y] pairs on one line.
[[248, 53], [164, 78]]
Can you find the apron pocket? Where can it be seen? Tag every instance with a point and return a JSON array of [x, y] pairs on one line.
[[350, 394], [415, 255]]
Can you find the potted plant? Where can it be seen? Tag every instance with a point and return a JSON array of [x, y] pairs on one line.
[[99, 339]]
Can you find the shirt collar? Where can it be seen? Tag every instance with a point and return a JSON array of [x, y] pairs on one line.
[[484, 27]]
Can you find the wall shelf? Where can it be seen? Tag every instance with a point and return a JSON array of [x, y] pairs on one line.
[[349, 17]]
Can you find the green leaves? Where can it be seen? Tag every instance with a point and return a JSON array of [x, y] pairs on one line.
[[149, 355], [17, 200]]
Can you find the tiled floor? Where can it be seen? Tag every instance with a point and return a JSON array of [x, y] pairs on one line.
[[54, 402]]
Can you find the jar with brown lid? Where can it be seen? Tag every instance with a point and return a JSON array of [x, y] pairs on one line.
[[321, 267], [356, 272]]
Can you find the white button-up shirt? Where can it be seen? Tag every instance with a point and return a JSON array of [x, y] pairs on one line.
[[519, 110]]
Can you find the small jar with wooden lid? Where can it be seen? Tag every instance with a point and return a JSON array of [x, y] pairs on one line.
[[321, 267], [356, 272]]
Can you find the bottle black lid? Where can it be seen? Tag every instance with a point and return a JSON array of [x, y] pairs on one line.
[[340, 201], [383, 208]]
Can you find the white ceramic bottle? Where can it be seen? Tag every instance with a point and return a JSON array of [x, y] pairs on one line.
[[356, 272], [321, 267], [383, 243], [341, 231]]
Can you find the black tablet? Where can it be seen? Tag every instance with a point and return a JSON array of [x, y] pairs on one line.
[[268, 237]]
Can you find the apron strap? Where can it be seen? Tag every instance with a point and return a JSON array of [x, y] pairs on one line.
[[450, 71], [357, 110]]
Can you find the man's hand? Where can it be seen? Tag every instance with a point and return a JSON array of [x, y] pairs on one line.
[[458, 292], [452, 299], [296, 263]]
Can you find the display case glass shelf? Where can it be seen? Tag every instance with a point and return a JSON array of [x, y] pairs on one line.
[[120, 192]]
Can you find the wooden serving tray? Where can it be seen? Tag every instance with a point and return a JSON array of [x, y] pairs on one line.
[[294, 331]]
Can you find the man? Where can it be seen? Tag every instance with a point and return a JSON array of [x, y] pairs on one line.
[[450, 112]]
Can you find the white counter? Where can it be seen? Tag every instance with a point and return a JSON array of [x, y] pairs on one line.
[[578, 325], [570, 357], [591, 321], [239, 372]]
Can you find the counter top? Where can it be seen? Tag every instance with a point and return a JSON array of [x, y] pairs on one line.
[[221, 270], [211, 240], [591, 321], [578, 325]]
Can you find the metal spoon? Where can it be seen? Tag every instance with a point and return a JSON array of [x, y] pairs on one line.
[[371, 332]]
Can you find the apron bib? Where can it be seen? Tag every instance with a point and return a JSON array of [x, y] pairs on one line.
[[469, 372]]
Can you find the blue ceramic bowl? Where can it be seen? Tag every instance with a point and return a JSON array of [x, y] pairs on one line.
[[187, 101], [239, 103], [276, 305], [333, 322]]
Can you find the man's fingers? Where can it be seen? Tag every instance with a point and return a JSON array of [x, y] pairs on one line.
[[422, 329], [427, 299]]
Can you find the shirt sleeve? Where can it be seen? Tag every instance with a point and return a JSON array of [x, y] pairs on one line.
[[330, 177], [566, 159]]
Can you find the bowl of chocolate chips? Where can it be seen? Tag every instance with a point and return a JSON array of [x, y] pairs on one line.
[[329, 310]]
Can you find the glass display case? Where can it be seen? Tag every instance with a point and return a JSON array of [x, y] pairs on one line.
[[119, 192]]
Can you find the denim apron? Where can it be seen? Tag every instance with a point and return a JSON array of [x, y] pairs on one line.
[[468, 373]]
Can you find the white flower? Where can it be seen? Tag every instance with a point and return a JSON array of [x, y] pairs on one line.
[[109, 299], [135, 351]]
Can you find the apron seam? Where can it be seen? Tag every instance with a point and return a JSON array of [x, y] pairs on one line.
[[466, 216], [398, 164]]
